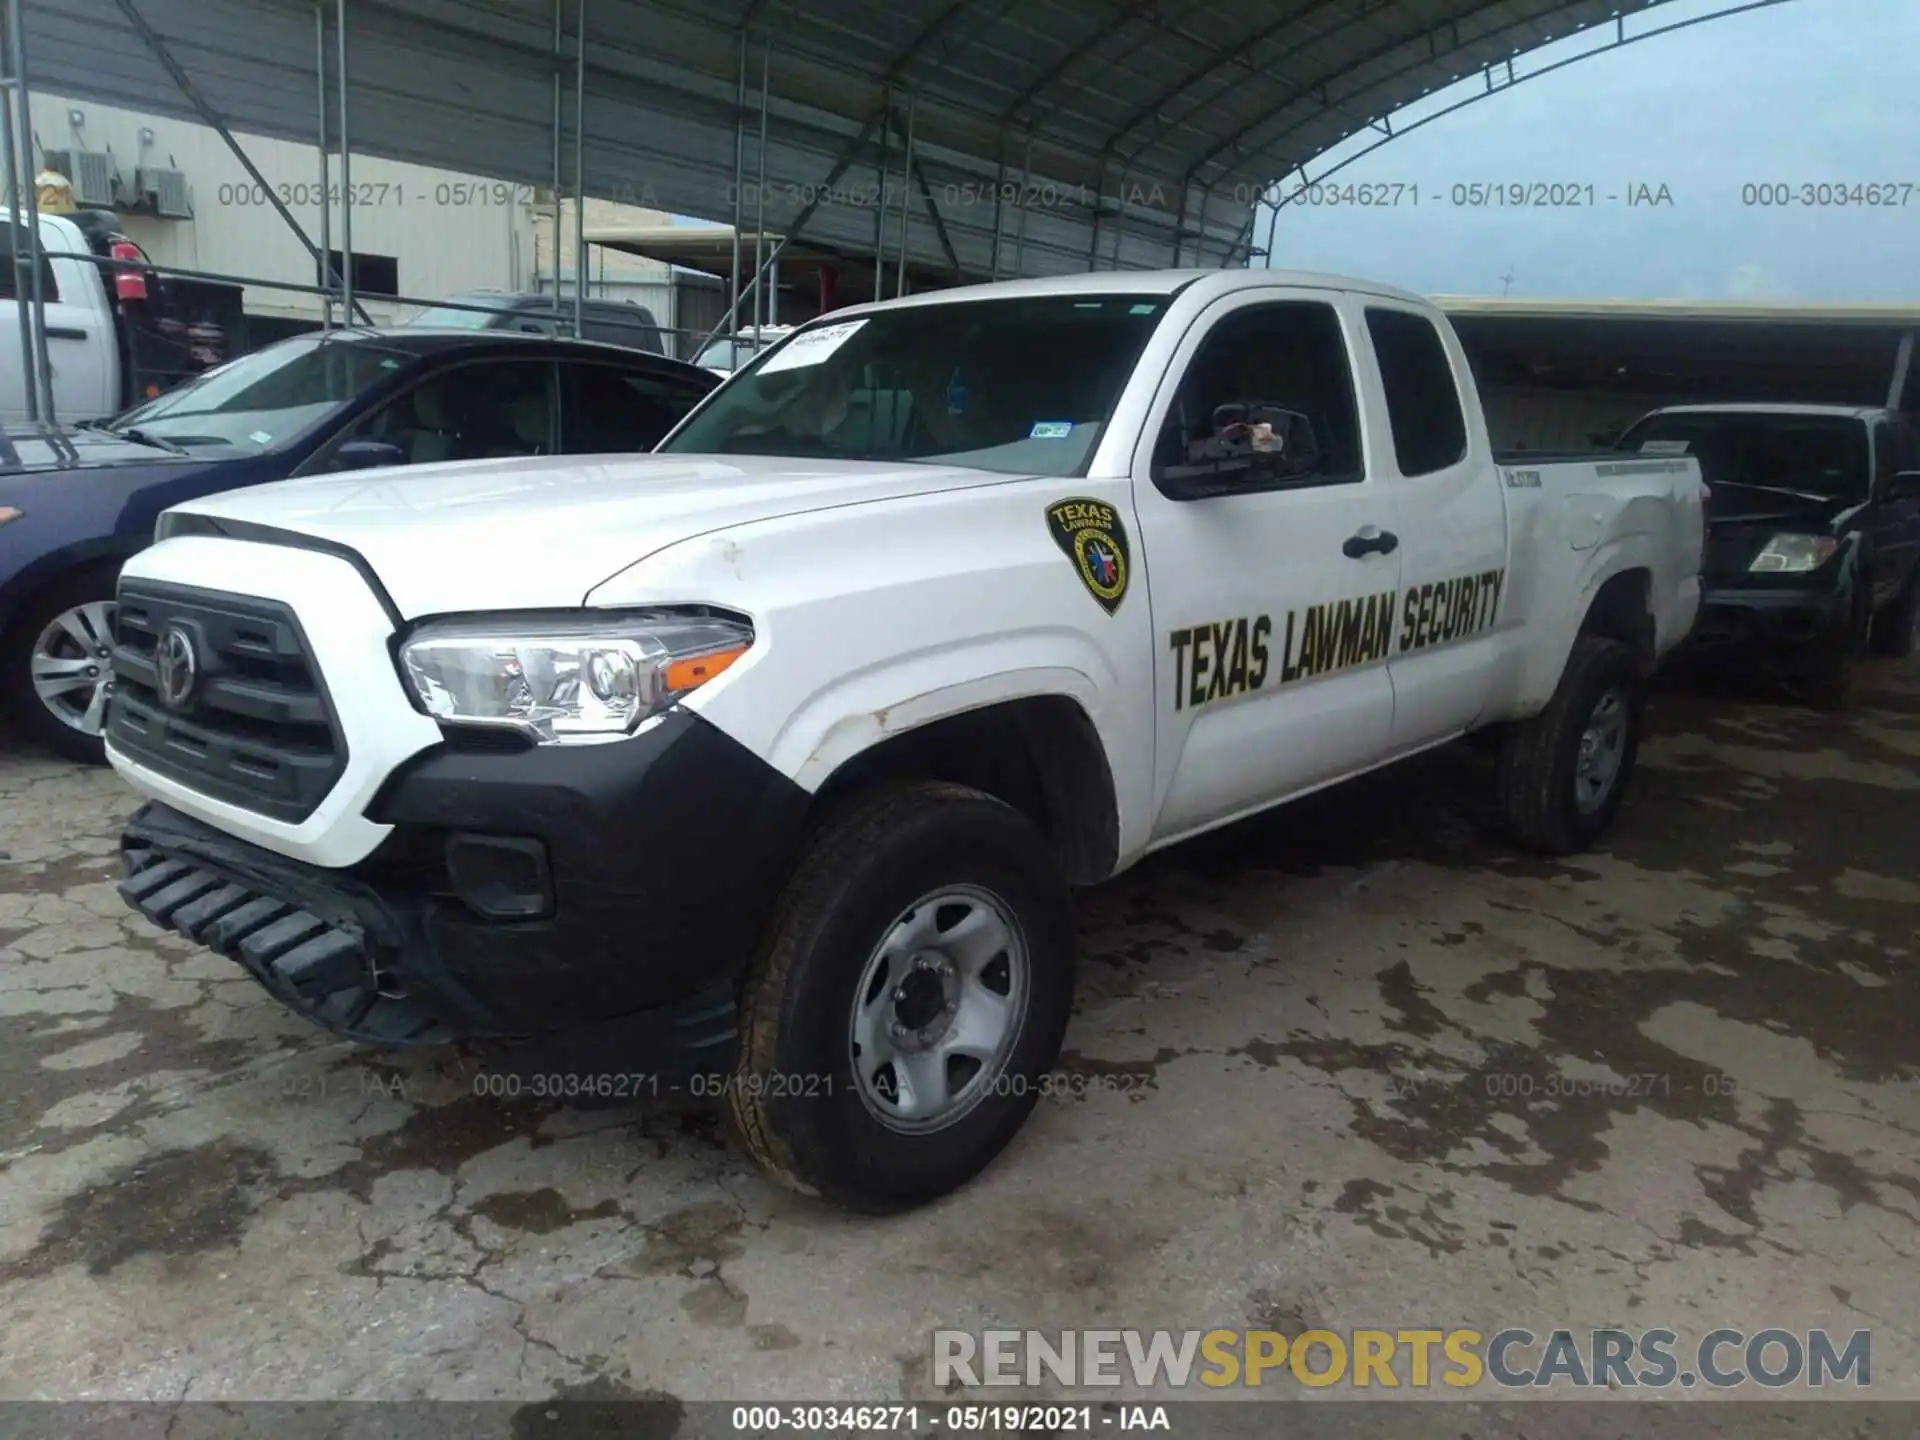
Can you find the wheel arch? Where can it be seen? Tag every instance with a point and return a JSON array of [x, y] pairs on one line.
[[1039, 752]]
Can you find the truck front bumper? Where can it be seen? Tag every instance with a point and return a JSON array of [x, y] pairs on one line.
[[1776, 622], [555, 892]]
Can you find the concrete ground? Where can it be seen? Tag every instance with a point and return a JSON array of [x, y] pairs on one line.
[[1320, 1054]]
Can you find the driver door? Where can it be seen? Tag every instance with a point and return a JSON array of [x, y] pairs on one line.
[[1273, 603]]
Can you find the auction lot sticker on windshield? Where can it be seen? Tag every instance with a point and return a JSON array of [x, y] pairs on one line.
[[810, 347], [1664, 447]]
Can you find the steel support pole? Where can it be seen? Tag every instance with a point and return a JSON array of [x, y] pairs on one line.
[[42, 365], [1020, 240], [799, 223], [1099, 203], [15, 209], [880, 198], [559, 126], [346, 168], [580, 171], [324, 278], [906, 197], [773, 290], [1902, 367], [760, 191], [214, 122], [999, 207], [739, 174]]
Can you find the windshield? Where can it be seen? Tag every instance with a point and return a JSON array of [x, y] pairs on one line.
[[265, 399], [1823, 455], [447, 317], [1021, 386], [727, 354]]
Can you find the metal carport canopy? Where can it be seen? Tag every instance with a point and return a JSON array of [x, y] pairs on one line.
[[1144, 128]]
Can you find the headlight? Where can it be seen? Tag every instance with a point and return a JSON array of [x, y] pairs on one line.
[[1793, 553], [570, 681]]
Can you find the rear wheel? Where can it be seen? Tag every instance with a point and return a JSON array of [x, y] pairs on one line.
[[1563, 773], [1896, 630], [911, 996], [56, 665]]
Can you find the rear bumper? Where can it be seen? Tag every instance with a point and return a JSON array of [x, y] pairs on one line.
[[537, 892]]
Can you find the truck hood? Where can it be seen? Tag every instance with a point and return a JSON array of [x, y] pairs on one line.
[[532, 534], [29, 449]]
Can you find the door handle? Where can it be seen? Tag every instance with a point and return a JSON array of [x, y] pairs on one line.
[[1370, 541]]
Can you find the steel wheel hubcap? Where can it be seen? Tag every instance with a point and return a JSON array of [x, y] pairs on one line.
[[72, 666], [938, 1009], [1603, 748]]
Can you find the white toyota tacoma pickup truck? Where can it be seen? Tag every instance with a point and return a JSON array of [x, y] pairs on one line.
[[772, 756]]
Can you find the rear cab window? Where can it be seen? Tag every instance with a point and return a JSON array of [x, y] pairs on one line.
[[1424, 412]]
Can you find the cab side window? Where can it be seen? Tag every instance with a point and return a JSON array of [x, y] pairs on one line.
[[616, 410], [1423, 402], [471, 412], [1289, 356], [12, 235]]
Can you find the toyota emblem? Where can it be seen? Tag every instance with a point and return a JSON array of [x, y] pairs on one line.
[[176, 667]]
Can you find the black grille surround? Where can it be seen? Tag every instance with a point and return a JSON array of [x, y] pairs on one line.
[[258, 729]]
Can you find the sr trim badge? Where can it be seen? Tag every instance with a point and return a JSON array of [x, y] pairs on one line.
[[1090, 533]]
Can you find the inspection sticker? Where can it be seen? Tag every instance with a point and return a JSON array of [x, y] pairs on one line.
[[1050, 430], [810, 347]]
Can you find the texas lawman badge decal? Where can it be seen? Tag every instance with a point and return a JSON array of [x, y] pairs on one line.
[[1090, 533]]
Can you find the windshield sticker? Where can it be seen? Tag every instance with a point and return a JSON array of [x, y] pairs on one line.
[[260, 437], [811, 347], [389, 364], [1050, 430], [1664, 447], [1090, 534], [1522, 479]]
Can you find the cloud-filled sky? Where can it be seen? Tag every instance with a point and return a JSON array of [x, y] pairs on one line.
[[1810, 92]]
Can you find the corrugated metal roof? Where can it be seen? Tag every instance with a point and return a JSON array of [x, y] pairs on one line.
[[1150, 122]]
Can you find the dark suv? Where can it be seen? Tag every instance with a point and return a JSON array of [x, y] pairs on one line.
[[611, 322], [1813, 532]]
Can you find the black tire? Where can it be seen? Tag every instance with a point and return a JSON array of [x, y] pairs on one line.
[[794, 1098], [1895, 628], [1540, 757], [28, 712], [1826, 683]]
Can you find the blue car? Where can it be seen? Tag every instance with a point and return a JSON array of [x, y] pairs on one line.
[[74, 504]]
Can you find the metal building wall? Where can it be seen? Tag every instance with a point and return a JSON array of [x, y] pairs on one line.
[[448, 231]]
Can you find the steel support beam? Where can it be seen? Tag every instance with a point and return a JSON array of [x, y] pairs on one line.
[[807, 212], [739, 173], [907, 172], [558, 60], [40, 367], [346, 165], [22, 252], [1902, 366], [323, 269], [580, 170], [760, 190]]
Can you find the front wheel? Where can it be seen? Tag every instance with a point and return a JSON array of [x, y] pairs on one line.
[[1563, 773], [56, 664], [1896, 629], [899, 1024]]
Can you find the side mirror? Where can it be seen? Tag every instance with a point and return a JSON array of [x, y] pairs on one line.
[[367, 455], [1253, 444]]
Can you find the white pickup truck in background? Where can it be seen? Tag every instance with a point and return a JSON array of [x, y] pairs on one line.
[[108, 350], [775, 752]]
